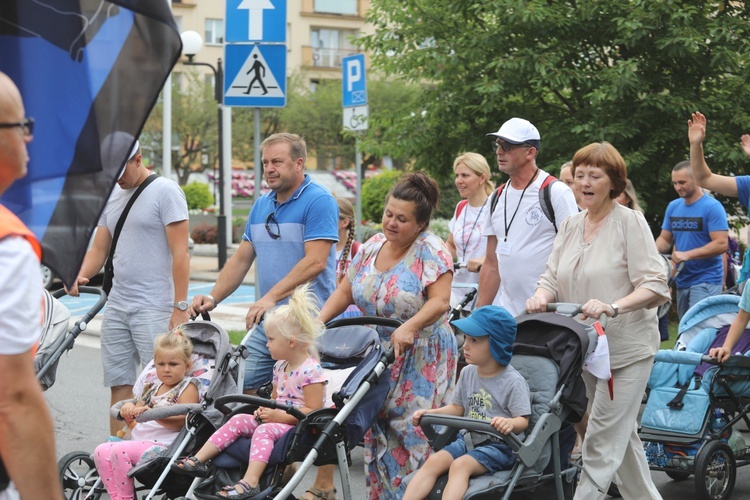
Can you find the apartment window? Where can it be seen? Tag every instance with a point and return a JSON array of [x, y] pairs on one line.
[[343, 7], [214, 31], [329, 46]]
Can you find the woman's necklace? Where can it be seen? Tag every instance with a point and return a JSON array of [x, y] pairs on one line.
[[464, 240]]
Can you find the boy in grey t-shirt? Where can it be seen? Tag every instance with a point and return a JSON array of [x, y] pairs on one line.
[[488, 389]]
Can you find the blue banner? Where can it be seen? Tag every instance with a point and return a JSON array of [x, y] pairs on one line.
[[86, 69]]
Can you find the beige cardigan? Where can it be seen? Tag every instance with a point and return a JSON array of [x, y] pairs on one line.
[[621, 258]]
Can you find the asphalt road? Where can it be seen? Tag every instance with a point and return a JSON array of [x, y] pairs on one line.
[[80, 404]]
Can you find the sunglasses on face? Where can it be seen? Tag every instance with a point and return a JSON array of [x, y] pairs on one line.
[[506, 146]]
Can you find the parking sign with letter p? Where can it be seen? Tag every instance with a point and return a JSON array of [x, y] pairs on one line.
[[354, 81]]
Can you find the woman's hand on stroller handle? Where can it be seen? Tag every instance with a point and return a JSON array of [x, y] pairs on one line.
[[473, 265], [538, 304]]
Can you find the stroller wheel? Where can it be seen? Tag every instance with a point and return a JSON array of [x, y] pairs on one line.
[[78, 476], [715, 471]]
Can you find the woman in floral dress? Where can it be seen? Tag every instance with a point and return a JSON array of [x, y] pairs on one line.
[[405, 273]]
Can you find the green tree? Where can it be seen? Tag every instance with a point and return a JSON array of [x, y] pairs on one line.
[[626, 71], [374, 191], [318, 115], [193, 123]]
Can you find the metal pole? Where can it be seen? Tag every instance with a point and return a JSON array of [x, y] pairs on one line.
[[256, 154], [258, 173], [227, 167], [166, 148], [358, 163], [221, 234]]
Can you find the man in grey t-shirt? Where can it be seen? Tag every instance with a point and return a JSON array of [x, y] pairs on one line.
[[151, 269]]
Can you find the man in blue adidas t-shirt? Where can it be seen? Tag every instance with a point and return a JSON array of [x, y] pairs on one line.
[[291, 231], [697, 224]]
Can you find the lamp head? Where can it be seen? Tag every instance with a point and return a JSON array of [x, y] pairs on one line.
[[192, 43]]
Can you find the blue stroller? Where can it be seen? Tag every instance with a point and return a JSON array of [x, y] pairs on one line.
[[322, 437], [694, 402]]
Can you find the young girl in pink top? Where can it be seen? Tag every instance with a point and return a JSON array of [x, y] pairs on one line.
[[298, 380], [113, 460]]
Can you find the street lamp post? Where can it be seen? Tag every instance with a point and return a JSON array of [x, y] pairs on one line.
[[191, 45]]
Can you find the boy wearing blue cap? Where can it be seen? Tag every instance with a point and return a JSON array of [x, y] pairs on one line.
[[488, 389]]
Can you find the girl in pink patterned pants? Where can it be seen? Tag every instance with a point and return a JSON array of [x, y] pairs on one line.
[[113, 460], [298, 380]]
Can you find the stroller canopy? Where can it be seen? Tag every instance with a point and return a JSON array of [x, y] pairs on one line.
[[566, 342]]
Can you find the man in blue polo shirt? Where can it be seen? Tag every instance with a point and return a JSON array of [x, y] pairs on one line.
[[291, 231], [697, 223]]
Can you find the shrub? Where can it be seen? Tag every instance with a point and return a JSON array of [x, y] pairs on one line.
[[374, 192], [439, 226], [238, 229], [369, 230], [198, 196], [204, 233]]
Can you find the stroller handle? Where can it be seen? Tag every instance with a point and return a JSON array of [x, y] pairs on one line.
[[428, 421], [92, 290], [365, 320], [570, 309], [247, 399]]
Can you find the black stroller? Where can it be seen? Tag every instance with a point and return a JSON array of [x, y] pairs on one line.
[[549, 352], [322, 437]]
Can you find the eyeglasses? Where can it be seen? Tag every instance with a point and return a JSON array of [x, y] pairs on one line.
[[505, 146], [272, 227], [26, 126]]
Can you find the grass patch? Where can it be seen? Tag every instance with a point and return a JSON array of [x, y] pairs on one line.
[[672, 327], [236, 336]]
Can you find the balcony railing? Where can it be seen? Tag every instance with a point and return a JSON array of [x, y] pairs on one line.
[[324, 58]]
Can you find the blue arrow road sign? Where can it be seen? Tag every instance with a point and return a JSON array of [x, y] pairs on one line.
[[255, 75], [354, 81], [256, 21]]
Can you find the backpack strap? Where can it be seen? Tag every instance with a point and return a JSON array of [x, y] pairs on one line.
[[355, 248], [495, 197], [460, 207], [545, 199]]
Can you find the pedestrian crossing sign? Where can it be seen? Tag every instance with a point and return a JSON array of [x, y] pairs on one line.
[[255, 75]]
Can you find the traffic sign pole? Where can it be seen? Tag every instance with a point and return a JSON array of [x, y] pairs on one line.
[[354, 99]]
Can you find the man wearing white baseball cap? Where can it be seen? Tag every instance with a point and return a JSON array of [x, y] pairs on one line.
[[151, 265], [521, 227]]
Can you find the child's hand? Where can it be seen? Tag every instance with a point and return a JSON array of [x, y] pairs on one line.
[[417, 417], [126, 411], [139, 410], [720, 354], [502, 425], [265, 415]]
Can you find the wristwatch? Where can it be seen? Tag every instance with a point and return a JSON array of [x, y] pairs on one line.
[[181, 305], [616, 309]]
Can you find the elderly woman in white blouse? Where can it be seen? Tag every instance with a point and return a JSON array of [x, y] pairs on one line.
[[605, 258]]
